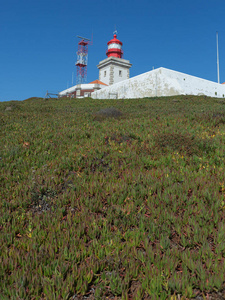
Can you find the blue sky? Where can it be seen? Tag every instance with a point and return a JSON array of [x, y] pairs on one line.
[[38, 40]]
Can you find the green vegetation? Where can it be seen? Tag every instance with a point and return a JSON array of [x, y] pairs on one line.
[[113, 198]]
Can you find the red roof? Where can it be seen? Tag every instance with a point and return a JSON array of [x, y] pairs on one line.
[[115, 40], [98, 81], [223, 83]]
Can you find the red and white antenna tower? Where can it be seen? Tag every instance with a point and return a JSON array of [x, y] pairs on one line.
[[82, 59]]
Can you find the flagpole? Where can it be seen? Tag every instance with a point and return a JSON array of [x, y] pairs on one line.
[[218, 68]]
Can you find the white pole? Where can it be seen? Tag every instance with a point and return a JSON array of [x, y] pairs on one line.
[[218, 68]]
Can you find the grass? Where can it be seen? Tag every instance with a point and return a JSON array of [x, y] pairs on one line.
[[113, 199]]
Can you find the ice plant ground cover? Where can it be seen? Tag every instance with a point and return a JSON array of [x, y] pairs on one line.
[[112, 199]]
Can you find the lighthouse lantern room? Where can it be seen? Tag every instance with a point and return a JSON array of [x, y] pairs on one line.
[[115, 47]]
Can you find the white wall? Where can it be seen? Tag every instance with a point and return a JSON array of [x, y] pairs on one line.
[[161, 82], [117, 77], [112, 72], [102, 78]]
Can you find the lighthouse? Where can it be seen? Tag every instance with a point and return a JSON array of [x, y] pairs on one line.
[[115, 47], [114, 68]]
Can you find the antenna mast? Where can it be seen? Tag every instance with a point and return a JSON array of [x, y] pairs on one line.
[[82, 59], [218, 68]]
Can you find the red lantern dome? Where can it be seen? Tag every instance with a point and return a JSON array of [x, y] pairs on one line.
[[115, 47]]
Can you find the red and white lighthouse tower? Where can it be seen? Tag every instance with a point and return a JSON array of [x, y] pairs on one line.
[[114, 68], [115, 47]]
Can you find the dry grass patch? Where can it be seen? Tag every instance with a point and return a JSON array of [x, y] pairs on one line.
[[109, 112], [181, 143]]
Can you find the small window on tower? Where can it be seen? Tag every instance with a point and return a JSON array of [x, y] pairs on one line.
[[120, 73], [104, 73]]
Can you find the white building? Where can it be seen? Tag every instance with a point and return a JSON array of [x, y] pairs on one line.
[[161, 82], [113, 70], [82, 90]]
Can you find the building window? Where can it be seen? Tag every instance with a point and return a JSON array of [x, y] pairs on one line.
[[216, 93], [104, 73], [120, 73]]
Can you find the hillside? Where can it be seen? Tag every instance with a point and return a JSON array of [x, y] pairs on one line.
[[112, 199]]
